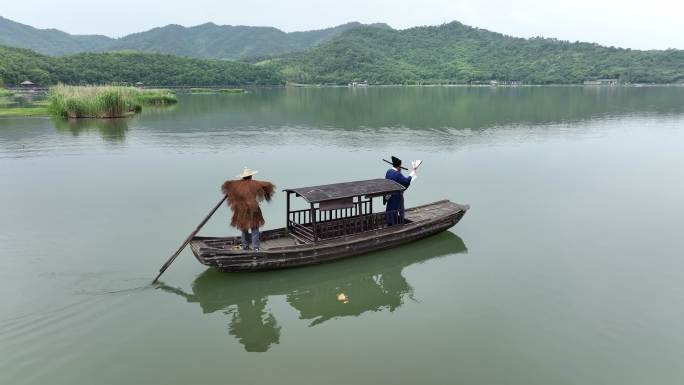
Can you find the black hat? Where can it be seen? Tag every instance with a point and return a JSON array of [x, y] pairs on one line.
[[396, 162]]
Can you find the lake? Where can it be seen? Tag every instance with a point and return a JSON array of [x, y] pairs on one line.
[[568, 268]]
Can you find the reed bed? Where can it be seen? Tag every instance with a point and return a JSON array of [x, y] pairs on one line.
[[157, 96], [103, 101], [217, 90], [202, 90]]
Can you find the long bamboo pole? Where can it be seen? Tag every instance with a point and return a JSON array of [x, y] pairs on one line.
[[402, 167], [173, 257]]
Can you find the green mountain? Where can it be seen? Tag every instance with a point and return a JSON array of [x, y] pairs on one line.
[[448, 53], [203, 41], [17, 65], [48, 41], [456, 53], [225, 41]]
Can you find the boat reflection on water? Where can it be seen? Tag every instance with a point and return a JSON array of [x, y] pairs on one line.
[[319, 293]]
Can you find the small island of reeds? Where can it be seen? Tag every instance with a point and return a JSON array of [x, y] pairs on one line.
[[217, 90], [104, 101], [232, 90]]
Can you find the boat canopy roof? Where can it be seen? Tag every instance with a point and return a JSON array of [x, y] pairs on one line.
[[329, 192]]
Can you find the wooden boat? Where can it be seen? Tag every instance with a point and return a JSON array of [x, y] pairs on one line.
[[339, 223]]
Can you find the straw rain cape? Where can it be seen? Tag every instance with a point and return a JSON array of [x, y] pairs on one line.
[[243, 199]]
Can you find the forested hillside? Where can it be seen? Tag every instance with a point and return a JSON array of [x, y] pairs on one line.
[[208, 40], [17, 65], [457, 53], [48, 41], [225, 41], [449, 53]]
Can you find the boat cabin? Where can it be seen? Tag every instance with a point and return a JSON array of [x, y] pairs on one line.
[[340, 209]]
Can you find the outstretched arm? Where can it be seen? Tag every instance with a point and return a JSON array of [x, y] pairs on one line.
[[268, 189]]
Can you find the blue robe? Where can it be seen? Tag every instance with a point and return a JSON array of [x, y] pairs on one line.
[[395, 204]]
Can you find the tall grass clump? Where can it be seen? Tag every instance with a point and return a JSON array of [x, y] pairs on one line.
[[103, 101], [93, 101]]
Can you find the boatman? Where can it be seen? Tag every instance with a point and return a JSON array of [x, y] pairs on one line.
[[243, 197], [395, 201]]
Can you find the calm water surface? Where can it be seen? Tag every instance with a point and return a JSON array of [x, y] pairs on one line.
[[567, 270]]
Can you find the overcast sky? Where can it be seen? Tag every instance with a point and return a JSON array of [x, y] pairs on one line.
[[654, 24]]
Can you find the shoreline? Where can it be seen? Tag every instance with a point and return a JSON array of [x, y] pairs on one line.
[[217, 89], [631, 85], [18, 112], [42, 111]]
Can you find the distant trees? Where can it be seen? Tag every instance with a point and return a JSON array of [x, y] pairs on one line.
[[17, 65]]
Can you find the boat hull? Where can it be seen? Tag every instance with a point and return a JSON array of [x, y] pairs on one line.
[[423, 221]]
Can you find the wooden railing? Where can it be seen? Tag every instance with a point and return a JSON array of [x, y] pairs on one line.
[[336, 223], [304, 216], [301, 232]]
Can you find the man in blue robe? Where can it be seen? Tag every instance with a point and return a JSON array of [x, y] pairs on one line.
[[395, 202]]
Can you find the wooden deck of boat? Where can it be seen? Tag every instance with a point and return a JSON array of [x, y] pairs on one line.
[[278, 242], [225, 243], [415, 214], [433, 210]]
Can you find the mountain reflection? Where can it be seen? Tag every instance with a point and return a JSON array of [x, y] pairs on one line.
[[369, 283], [413, 107], [379, 108]]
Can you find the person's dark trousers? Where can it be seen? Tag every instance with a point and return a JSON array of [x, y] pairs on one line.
[[254, 237]]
